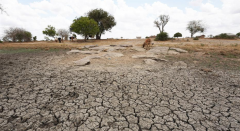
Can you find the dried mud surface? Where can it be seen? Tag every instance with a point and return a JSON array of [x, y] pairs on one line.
[[43, 91]]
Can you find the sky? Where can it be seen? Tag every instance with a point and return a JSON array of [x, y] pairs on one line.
[[133, 17]]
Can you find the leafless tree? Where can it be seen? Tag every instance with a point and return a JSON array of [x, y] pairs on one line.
[[63, 33], [2, 9], [17, 34], [163, 20], [196, 26]]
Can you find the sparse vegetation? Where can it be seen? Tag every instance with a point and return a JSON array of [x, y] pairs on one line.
[[163, 36], [195, 38], [224, 36]]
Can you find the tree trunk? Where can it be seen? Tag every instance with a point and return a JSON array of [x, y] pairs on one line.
[[85, 39], [191, 35]]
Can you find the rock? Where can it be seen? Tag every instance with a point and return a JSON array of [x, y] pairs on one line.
[[94, 57], [113, 45], [172, 52], [81, 52], [149, 61], [158, 50], [113, 54], [138, 49], [107, 48], [179, 64], [73, 52], [158, 59], [179, 50], [100, 48], [82, 62], [90, 46], [144, 57], [126, 46]]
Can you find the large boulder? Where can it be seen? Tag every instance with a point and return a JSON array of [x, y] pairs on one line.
[[140, 49], [158, 51], [173, 52], [113, 54]]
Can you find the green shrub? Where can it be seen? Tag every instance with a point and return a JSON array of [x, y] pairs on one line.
[[1, 41], [163, 36], [196, 38], [35, 38], [224, 36]]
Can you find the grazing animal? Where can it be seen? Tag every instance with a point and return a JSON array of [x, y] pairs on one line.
[[147, 44]]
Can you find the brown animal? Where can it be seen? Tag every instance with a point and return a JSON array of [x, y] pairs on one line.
[[147, 44]]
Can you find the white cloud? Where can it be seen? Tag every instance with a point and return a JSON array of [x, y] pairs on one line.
[[131, 22], [195, 2]]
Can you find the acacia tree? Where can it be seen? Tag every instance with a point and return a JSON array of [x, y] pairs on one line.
[[50, 31], [84, 26], [177, 35], [163, 20], [195, 26], [104, 20], [63, 33]]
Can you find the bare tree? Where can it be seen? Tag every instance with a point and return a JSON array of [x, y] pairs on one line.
[[163, 20], [63, 33], [196, 26], [17, 34], [2, 9]]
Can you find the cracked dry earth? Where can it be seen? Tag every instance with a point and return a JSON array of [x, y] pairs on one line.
[[38, 94]]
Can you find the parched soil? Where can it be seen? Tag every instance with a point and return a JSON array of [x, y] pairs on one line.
[[44, 90]]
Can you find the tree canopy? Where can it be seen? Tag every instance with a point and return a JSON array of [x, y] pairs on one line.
[[84, 26], [17, 35], [177, 35], [195, 26], [104, 20], [50, 31], [163, 20], [238, 34]]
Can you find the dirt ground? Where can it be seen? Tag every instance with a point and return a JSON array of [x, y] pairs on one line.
[[43, 89]]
